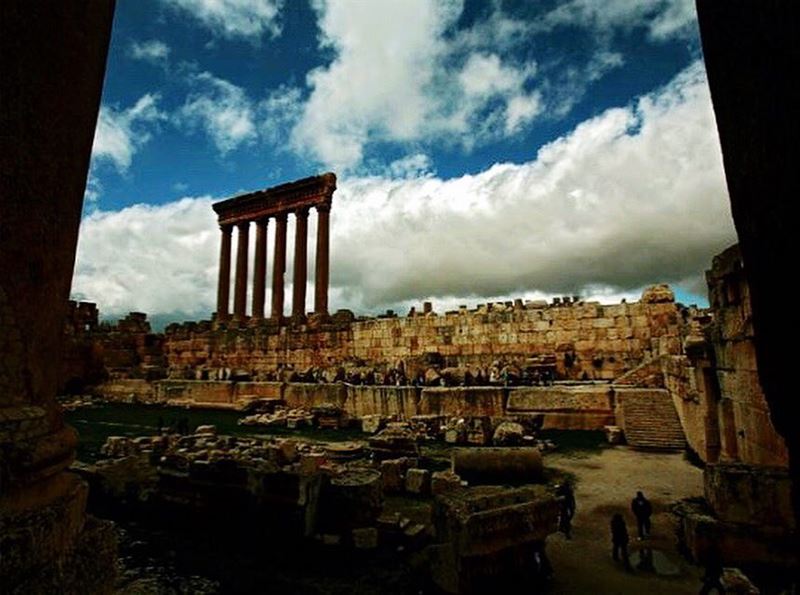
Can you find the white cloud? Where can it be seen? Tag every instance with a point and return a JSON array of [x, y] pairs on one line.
[[411, 166], [278, 114], [222, 109], [633, 196], [679, 19], [121, 133], [398, 75], [234, 19], [664, 19], [156, 259], [152, 51]]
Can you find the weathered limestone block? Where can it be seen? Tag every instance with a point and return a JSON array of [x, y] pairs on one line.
[[750, 495], [508, 434], [351, 499], [418, 481], [388, 401], [370, 424], [461, 401], [444, 481], [393, 473], [738, 544], [737, 583], [565, 407], [307, 395], [488, 538], [498, 465], [396, 440]]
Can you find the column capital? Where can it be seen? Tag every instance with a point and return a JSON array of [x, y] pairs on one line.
[[243, 224], [324, 208], [301, 212], [227, 228], [281, 217]]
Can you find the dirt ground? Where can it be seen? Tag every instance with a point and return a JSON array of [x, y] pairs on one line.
[[605, 483]]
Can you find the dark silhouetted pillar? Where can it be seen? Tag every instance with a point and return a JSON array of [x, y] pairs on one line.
[[750, 50]]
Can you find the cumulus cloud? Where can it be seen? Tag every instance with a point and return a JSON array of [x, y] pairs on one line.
[[249, 20], [157, 259], [121, 133], [633, 196], [221, 109], [399, 75], [152, 51], [664, 19]]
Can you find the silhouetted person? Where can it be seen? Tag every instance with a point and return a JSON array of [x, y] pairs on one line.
[[712, 579], [642, 510], [619, 540], [567, 511]]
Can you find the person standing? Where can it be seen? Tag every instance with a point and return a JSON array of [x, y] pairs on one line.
[[619, 540], [567, 510], [642, 510], [712, 579]]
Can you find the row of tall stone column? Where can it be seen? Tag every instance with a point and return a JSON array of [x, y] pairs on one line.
[[299, 280]]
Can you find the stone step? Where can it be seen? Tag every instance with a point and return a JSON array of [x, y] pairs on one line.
[[650, 421]]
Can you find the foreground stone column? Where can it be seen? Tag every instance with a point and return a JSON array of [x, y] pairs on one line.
[[300, 263], [279, 266], [52, 61], [240, 295], [224, 283], [322, 270], [260, 269]]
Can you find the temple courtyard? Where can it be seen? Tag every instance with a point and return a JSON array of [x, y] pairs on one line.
[[606, 481]]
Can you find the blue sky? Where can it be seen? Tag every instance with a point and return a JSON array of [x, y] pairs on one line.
[[485, 150]]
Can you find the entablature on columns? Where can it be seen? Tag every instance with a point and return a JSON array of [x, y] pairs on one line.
[[315, 191]]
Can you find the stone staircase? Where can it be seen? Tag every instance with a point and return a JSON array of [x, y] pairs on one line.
[[650, 420]]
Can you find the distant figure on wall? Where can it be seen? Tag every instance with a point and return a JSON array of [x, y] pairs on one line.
[[642, 510], [619, 540]]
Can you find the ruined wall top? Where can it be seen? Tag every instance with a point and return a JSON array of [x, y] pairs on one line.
[[314, 191]]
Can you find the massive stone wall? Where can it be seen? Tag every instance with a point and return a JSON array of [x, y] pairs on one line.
[[589, 340], [94, 351], [746, 431], [715, 384]]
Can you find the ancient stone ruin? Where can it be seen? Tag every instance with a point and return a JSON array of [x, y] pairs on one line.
[[294, 198], [486, 380]]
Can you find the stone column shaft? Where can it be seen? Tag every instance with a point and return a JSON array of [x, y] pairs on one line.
[[224, 283], [322, 266], [240, 295], [300, 264], [278, 266], [260, 269]]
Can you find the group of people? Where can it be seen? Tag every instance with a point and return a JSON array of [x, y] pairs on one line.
[[642, 510], [640, 506]]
